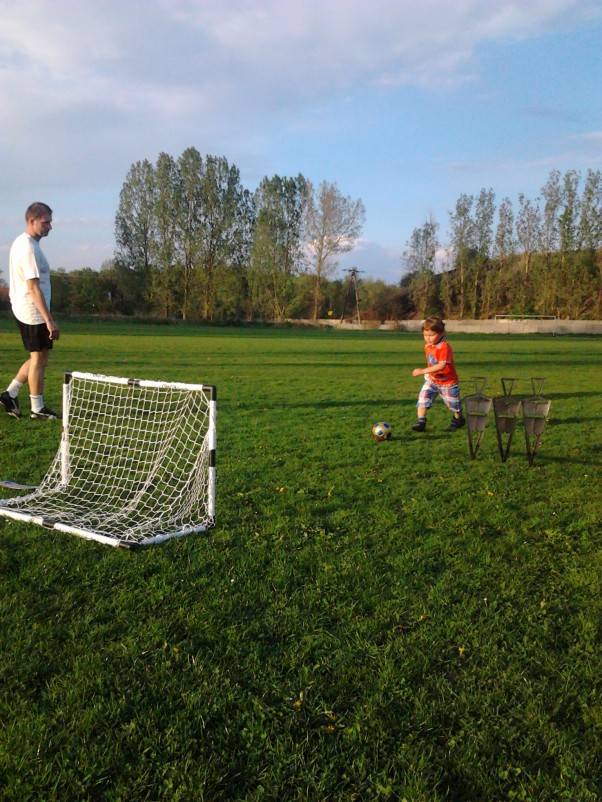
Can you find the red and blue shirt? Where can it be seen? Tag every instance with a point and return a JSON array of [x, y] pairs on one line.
[[441, 352]]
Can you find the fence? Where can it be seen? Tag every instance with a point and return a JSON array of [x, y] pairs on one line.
[[493, 326]]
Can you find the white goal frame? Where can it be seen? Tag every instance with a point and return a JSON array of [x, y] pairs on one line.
[[135, 466]]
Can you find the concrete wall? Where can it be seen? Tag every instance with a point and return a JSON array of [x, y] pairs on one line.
[[505, 326]]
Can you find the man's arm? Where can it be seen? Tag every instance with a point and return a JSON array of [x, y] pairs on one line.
[[33, 286]]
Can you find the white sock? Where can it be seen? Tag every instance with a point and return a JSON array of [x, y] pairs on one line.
[[13, 388], [37, 402]]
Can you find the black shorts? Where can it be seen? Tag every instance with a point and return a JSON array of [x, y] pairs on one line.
[[35, 336]]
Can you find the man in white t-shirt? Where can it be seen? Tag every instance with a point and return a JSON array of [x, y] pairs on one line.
[[30, 302]]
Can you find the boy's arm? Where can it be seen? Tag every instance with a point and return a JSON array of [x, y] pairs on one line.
[[436, 368]]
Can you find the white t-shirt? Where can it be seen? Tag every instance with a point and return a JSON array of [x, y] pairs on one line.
[[27, 261]]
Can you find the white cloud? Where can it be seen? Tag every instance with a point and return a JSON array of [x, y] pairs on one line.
[[275, 53], [591, 138], [90, 87], [373, 260], [99, 80]]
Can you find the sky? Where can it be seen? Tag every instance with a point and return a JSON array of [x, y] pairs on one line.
[[404, 104]]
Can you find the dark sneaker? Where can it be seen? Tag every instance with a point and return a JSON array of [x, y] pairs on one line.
[[456, 423], [11, 405], [420, 426], [45, 414]]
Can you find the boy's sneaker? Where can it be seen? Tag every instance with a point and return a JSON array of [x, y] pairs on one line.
[[11, 405], [44, 414], [419, 426], [456, 423]]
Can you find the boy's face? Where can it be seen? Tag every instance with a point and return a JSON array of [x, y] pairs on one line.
[[432, 337]]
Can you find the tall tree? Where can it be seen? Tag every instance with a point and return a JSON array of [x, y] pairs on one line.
[[550, 273], [528, 230], [333, 222], [224, 218], [419, 263], [483, 239], [590, 231], [505, 242], [504, 251], [590, 212], [551, 193], [568, 266], [234, 298], [134, 229], [568, 220], [166, 243], [447, 284], [464, 247], [191, 168], [578, 275], [277, 244]]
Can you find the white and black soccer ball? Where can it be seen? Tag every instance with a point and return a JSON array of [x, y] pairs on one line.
[[382, 431]]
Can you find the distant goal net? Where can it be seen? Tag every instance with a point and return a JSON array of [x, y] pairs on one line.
[[135, 466]]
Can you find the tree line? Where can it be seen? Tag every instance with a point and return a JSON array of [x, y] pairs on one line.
[[542, 258], [192, 243]]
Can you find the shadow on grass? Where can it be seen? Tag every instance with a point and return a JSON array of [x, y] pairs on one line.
[[564, 421], [326, 404], [429, 436], [577, 459], [558, 396]]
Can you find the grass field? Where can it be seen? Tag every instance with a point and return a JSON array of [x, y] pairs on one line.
[[367, 621]]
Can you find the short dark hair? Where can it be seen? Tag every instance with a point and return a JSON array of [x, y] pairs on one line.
[[37, 210], [434, 324]]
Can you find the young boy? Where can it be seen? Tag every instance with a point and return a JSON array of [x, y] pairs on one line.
[[440, 377]]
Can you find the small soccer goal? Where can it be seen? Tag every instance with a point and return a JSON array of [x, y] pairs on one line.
[[135, 465]]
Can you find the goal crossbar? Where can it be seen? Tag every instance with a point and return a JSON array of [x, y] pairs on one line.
[[135, 465]]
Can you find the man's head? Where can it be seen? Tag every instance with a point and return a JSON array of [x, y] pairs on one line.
[[39, 220]]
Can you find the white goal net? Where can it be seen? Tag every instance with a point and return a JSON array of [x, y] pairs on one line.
[[135, 466]]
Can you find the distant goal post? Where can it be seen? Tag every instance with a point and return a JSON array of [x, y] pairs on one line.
[[136, 464]]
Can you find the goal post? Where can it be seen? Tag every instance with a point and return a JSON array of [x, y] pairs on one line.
[[135, 466]]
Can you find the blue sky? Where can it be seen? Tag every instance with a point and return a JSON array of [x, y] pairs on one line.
[[406, 104]]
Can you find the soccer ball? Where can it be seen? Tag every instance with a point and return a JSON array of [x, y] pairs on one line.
[[382, 431]]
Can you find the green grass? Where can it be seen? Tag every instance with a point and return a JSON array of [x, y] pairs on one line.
[[367, 621]]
